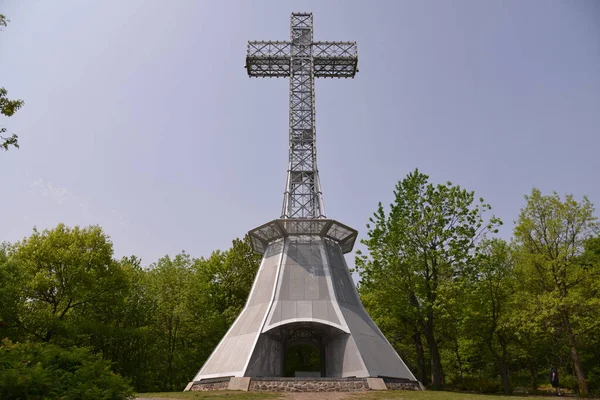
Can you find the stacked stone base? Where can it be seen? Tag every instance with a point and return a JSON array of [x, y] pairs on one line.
[[275, 384], [401, 384], [309, 384], [211, 384]]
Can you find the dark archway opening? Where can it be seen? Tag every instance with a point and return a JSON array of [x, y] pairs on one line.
[[304, 354], [297, 349], [303, 359]]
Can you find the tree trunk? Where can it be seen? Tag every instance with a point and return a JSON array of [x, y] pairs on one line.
[[578, 369], [49, 335], [421, 375], [434, 353], [458, 362], [532, 375], [504, 372], [505, 377], [581, 382]]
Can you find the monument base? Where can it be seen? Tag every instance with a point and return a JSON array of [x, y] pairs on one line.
[[304, 317], [278, 384]]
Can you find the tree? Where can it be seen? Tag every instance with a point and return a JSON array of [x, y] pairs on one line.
[[8, 107], [394, 315], [424, 246], [167, 319], [122, 330], [169, 281], [590, 298], [63, 270], [491, 295], [11, 297], [46, 371], [157, 325], [551, 234]]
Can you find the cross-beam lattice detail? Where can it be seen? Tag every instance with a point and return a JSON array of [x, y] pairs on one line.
[[302, 60]]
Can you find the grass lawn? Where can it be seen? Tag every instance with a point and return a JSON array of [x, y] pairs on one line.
[[388, 394], [434, 395]]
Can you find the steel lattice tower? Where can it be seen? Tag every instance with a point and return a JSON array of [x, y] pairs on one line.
[[303, 292], [302, 60]]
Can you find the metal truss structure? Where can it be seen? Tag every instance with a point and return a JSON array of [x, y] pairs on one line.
[[303, 229], [303, 292], [302, 60]]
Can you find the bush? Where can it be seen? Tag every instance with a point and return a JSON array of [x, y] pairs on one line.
[[593, 376], [39, 371], [480, 385], [568, 382]]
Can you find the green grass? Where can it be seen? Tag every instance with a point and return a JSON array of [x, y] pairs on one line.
[[388, 394], [435, 395], [213, 394]]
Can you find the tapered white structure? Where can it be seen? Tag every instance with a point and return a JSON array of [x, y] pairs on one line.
[[303, 292]]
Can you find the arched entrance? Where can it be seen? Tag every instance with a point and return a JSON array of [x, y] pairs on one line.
[[304, 353], [299, 349]]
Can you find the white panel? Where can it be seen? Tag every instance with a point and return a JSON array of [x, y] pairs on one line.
[[288, 310], [310, 284], [304, 309], [297, 282], [275, 316], [232, 359]]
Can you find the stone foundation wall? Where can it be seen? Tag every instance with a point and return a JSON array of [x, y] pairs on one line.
[[401, 384], [306, 385], [211, 384], [309, 385]]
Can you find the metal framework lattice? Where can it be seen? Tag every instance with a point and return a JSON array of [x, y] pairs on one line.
[[302, 60], [300, 229]]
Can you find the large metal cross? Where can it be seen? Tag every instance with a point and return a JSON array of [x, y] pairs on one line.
[[302, 60]]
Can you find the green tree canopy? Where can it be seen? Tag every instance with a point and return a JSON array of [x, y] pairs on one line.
[[61, 271], [420, 249], [551, 235], [8, 107]]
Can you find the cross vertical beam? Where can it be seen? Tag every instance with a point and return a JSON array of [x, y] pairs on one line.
[[303, 197], [301, 59]]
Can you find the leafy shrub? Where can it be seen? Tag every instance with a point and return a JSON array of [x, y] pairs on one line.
[[593, 377], [39, 371], [568, 382], [480, 385]]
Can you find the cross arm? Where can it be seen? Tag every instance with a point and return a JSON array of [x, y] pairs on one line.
[[331, 59], [335, 59], [268, 59]]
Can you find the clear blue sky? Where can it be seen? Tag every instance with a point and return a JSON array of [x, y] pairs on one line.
[[139, 115]]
